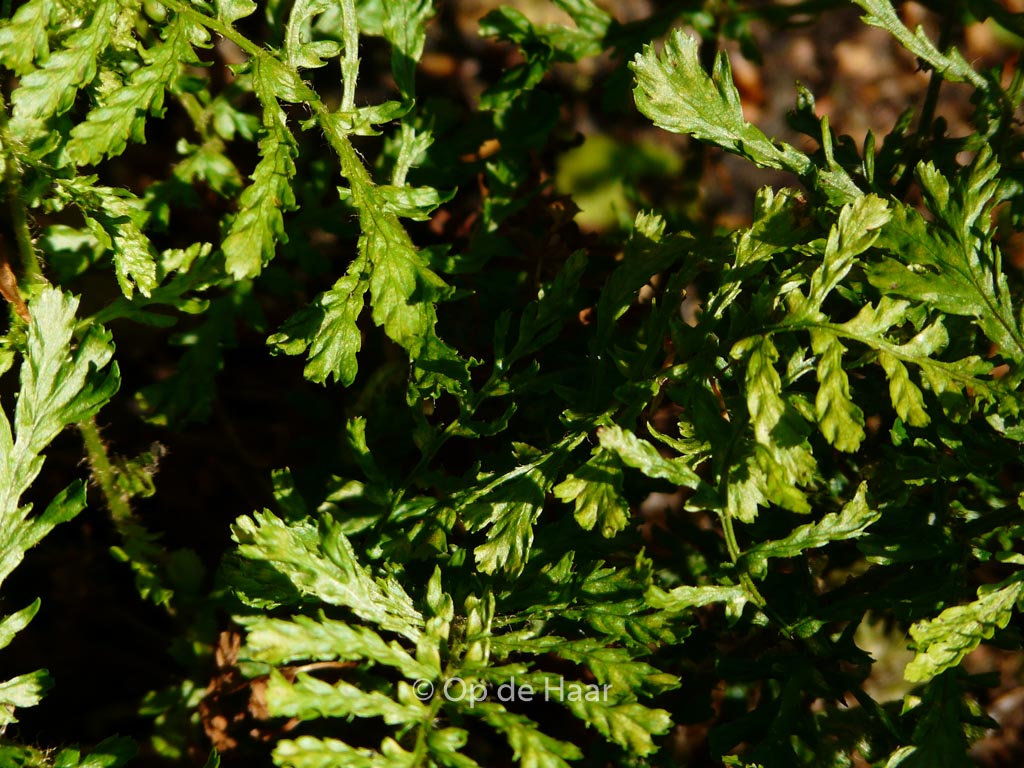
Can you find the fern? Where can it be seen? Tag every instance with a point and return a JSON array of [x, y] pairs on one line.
[[116, 219], [251, 240], [455, 663], [544, 512], [943, 642], [108, 128], [59, 386], [50, 89], [28, 26]]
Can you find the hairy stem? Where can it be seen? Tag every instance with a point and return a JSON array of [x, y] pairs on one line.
[[31, 271], [104, 472], [215, 25], [139, 548]]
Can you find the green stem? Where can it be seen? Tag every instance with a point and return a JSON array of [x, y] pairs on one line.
[[215, 25], [197, 113], [931, 100], [440, 438], [733, 548], [139, 549], [952, 370], [421, 750], [352, 166], [931, 97], [731, 544], [104, 472], [32, 272]]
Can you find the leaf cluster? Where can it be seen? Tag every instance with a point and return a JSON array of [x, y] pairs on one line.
[[557, 513]]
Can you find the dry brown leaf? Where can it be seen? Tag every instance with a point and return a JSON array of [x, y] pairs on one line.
[[9, 286]]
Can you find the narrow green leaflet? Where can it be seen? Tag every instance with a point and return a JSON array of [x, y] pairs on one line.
[[764, 389], [841, 421], [311, 752], [856, 230], [328, 329], [951, 65], [745, 493], [943, 642], [109, 753], [628, 724], [592, 24], [416, 203], [13, 624], [363, 121], [233, 10], [320, 562], [906, 397], [684, 598], [617, 668], [413, 144], [590, 18], [781, 463], [182, 275], [445, 743], [876, 319], [639, 454], [252, 238], [121, 117], [280, 641], [849, 523], [403, 291], [531, 747], [308, 698], [19, 532]]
